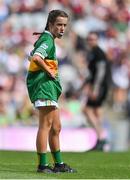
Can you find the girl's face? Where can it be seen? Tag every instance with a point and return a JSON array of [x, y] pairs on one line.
[[58, 27]]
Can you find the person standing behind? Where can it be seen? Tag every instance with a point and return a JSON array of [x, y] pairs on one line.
[[44, 90], [97, 84]]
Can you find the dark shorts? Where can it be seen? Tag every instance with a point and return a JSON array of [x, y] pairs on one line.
[[100, 99]]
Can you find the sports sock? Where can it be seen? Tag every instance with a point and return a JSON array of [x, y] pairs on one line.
[[42, 159], [57, 157]]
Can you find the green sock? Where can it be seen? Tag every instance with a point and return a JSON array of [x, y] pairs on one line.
[[57, 157], [42, 159]]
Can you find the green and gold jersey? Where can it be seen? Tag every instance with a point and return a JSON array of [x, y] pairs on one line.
[[45, 48], [40, 85]]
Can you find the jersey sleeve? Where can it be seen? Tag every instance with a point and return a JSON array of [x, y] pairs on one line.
[[44, 49]]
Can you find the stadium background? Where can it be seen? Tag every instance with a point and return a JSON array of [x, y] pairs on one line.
[[18, 20]]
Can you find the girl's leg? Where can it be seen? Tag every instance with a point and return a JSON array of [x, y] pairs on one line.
[[54, 141], [45, 123], [55, 131]]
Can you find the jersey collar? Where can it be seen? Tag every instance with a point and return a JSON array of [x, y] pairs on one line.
[[48, 32]]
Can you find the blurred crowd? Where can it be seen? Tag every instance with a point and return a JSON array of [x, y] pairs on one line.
[[20, 18]]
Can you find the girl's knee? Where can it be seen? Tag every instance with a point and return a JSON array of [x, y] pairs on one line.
[[46, 124], [56, 130]]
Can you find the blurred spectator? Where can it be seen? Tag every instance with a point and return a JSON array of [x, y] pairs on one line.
[[97, 85], [121, 79], [4, 11]]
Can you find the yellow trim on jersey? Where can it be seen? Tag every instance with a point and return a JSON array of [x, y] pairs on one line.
[[52, 64], [33, 66]]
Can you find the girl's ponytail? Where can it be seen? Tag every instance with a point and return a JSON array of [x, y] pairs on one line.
[[36, 33]]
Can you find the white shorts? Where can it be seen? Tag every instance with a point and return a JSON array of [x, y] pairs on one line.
[[40, 103]]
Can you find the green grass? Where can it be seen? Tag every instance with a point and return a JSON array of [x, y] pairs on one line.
[[90, 165]]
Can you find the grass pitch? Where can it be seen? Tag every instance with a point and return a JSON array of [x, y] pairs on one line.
[[90, 165]]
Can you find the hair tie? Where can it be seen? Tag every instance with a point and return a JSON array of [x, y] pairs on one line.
[[37, 33]]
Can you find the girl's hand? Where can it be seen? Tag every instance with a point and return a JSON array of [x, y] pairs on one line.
[[52, 73]]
